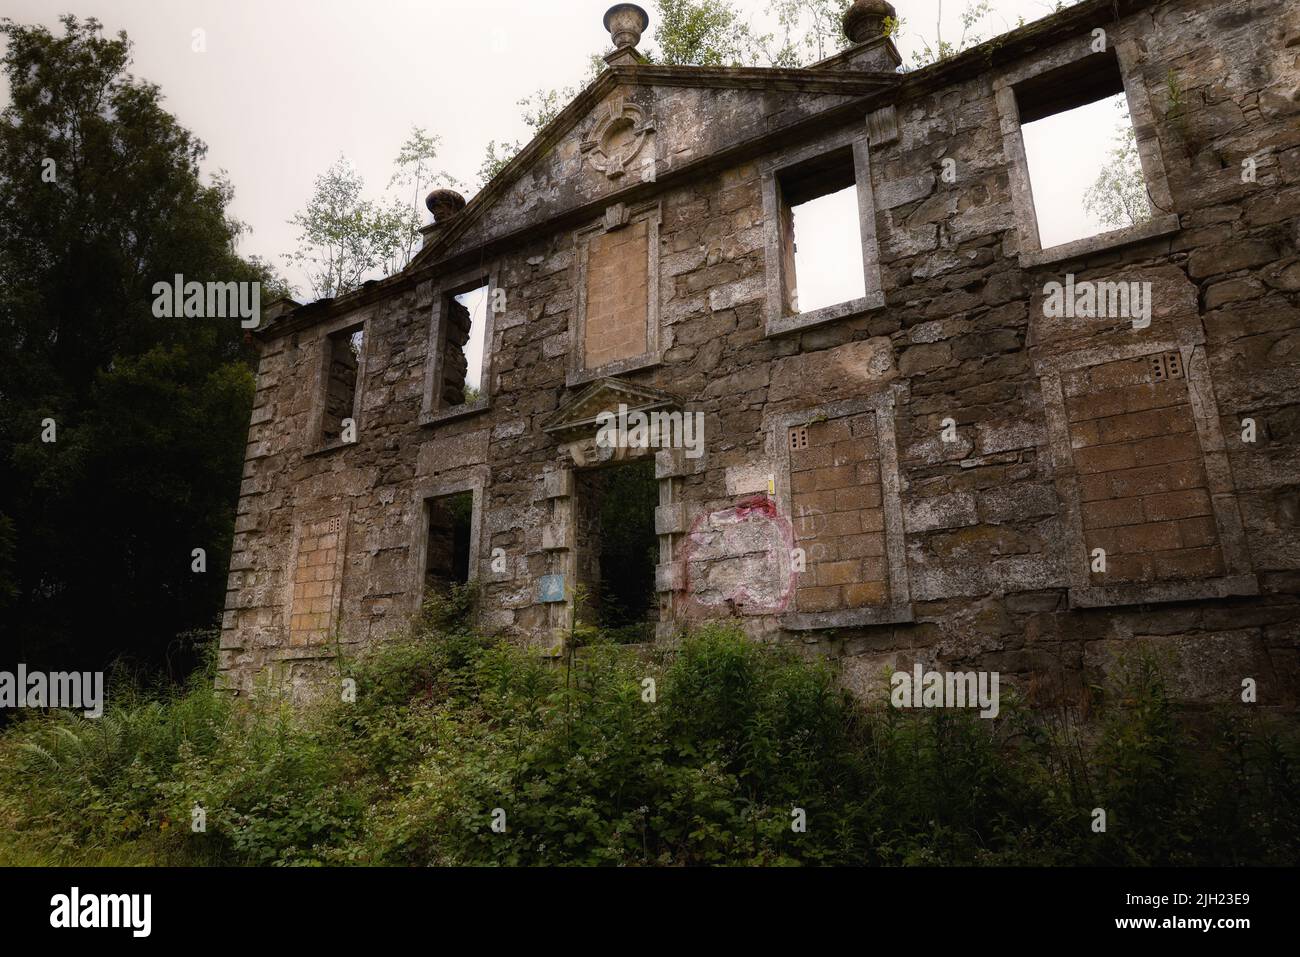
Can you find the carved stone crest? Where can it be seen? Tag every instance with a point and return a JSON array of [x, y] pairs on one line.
[[616, 140]]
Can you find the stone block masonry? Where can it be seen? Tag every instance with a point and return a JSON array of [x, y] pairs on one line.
[[945, 453]]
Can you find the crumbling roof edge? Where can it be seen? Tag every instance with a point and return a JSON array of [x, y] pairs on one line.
[[874, 85], [899, 87], [1014, 45], [802, 79]]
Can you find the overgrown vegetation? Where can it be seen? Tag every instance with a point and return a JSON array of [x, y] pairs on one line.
[[446, 727]]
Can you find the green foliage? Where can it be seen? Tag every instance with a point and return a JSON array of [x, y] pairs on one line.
[[714, 33], [701, 33], [537, 111], [345, 238], [972, 16], [448, 727], [496, 157], [811, 30], [698, 33], [103, 198], [413, 175], [1118, 197]]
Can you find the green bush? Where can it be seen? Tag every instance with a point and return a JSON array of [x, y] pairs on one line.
[[448, 729]]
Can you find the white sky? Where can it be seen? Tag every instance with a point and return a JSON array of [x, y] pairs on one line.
[[1063, 164], [285, 86], [828, 250]]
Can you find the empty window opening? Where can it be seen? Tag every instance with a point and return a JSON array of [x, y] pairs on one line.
[[462, 347], [1081, 148], [821, 233], [448, 548], [617, 549], [344, 356]]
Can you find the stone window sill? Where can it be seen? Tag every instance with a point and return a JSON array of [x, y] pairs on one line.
[[1152, 228], [582, 376], [1143, 593], [848, 618], [807, 320], [455, 412], [327, 449]]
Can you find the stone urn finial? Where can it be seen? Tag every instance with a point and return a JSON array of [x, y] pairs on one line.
[[625, 23], [865, 19], [444, 204]]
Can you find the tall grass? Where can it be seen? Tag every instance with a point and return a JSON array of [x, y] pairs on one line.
[[450, 733]]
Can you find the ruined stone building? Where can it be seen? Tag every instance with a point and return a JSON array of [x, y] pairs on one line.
[[964, 461]]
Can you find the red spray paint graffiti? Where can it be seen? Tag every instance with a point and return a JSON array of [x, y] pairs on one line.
[[739, 561]]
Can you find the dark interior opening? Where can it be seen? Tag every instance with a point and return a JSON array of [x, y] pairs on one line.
[[827, 173], [447, 561], [618, 549], [341, 382]]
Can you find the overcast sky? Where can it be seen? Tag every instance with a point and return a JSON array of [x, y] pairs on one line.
[[285, 86]]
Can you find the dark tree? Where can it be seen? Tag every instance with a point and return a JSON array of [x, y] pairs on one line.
[[100, 198]]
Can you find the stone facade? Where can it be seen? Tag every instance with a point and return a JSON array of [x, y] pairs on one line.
[[924, 474]]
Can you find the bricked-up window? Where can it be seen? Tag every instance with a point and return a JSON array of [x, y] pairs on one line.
[[447, 549], [616, 296], [344, 351], [842, 491], [821, 233], [839, 517], [315, 574], [616, 325], [1143, 489]]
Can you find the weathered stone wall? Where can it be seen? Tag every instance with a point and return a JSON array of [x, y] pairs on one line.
[[947, 552]]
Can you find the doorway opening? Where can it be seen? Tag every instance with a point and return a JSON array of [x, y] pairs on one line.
[[448, 544], [617, 549]]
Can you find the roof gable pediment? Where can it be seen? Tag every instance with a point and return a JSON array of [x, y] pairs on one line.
[[634, 124]]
